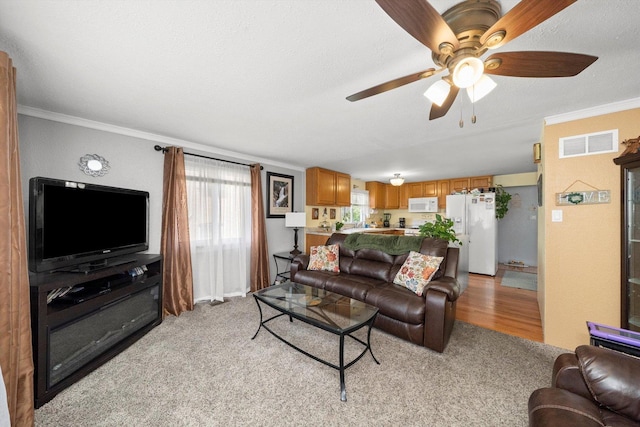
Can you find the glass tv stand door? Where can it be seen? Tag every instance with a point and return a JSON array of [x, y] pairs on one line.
[[631, 241]]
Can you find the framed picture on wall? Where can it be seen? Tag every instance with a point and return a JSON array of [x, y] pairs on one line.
[[280, 194]]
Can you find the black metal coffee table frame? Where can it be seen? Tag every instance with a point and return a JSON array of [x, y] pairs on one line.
[[326, 325]]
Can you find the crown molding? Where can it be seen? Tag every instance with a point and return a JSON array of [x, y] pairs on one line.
[[599, 110], [162, 139]]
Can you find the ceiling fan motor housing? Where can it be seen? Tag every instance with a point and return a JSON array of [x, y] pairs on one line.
[[468, 20]]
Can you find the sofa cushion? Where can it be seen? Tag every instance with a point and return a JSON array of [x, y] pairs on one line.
[[372, 263], [398, 303], [417, 271], [325, 258], [314, 278], [352, 285]]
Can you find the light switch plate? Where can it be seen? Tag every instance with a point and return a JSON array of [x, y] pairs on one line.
[[556, 215]]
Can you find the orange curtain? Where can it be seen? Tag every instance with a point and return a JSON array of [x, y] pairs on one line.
[[259, 248], [15, 317], [177, 276]]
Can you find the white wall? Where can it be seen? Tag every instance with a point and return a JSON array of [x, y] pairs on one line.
[[52, 149]]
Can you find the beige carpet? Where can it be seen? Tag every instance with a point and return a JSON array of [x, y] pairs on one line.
[[203, 369]]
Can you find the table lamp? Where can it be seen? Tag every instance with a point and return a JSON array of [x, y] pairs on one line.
[[295, 220]]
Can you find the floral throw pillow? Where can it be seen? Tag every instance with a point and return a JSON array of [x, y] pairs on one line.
[[417, 271], [325, 258]]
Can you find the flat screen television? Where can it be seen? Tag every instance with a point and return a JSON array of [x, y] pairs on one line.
[[81, 227]]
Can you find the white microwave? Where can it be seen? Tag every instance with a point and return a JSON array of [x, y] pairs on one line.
[[423, 204]]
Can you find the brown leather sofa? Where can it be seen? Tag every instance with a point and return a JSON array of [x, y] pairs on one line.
[[592, 387], [367, 275]]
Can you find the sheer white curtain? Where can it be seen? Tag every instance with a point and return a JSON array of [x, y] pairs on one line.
[[219, 201]]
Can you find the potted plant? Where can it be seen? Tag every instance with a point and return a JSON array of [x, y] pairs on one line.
[[441, 228], [502, 202]]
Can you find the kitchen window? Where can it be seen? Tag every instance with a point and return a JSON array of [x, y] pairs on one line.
[[359, 209]]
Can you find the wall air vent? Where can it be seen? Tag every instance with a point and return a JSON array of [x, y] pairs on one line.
[[592, 143]]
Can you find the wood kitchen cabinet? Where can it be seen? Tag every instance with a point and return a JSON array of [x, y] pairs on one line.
[[459, 184], [481, 182], [328, 188], [377, 194], [415, 189], [386, 196], [443, 191], [343, 190], [403, 197], [314, 240], [392, 197], [430, 189]]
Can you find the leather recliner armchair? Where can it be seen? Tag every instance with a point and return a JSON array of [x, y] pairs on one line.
[[592, 387]]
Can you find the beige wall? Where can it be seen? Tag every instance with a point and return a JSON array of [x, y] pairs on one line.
[[579, 258], [516, 179]]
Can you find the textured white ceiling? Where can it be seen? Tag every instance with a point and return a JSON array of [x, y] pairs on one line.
[[268, 79]]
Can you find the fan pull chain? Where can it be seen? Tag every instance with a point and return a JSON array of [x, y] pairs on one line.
[[473, 104], [461, 122]]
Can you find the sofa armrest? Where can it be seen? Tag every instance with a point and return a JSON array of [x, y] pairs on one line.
[[447, 285], [612, 377], [299, 263], [567, 375], [451, 268]]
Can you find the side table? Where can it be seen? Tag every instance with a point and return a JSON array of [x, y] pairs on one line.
[[278, 258]]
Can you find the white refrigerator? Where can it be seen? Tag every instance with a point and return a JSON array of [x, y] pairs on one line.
[[475, 216]]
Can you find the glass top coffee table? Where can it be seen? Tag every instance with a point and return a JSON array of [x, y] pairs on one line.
[[326, 310]]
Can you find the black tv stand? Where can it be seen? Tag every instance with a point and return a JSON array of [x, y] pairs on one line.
[[80, 321], [90, 267]]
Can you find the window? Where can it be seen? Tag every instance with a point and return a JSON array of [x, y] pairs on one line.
[[219, 203], [359, 209], [593, 143]]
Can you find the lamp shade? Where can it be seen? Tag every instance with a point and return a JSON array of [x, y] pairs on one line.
[[467, 72], [438, 92], [295, 219], [396, 181], [481, 88]]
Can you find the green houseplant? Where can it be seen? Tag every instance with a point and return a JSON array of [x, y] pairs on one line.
[[441, 228], [502, 202]]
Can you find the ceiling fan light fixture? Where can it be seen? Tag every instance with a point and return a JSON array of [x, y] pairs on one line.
[[396, 181], [482, 88], [438, 92], [467, 72]]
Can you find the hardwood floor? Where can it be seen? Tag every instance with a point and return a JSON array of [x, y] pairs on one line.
[[511, 311]]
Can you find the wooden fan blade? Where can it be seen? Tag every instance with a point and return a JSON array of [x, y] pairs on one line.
[[392, 84], [538, 64], [523, 17], [437, 112], [422, 21]]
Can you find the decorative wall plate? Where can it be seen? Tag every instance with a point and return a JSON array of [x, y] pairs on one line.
[[94, 165]]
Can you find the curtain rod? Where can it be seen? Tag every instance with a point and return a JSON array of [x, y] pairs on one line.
[[164, 150]]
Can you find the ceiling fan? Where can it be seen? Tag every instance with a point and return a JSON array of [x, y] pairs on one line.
[[462, 34]]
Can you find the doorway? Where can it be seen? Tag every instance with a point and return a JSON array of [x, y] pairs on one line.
[[518, 230]]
